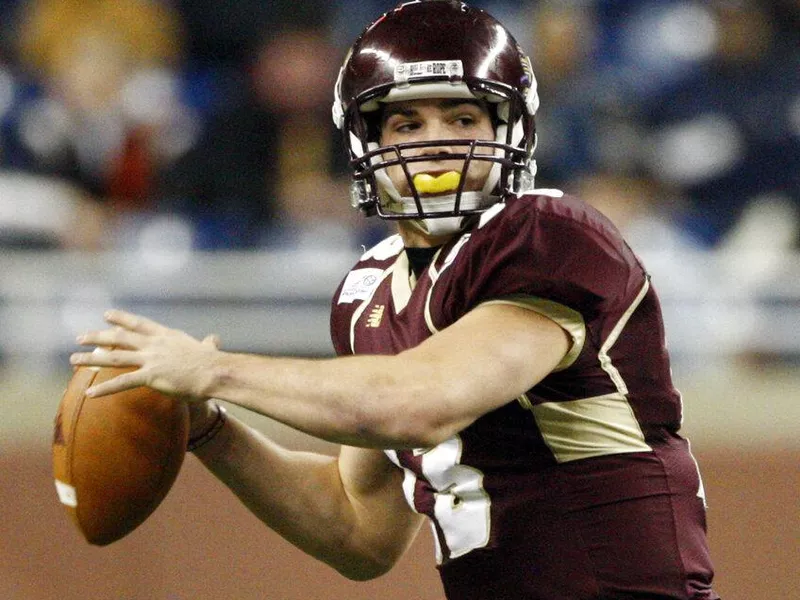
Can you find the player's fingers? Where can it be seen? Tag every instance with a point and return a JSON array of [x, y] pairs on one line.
[[134, 322], [102, 357], [116, 337], [120, 383]]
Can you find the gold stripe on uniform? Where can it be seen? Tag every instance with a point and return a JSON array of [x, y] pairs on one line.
[[596, 426], [589, 427], [605, 359]]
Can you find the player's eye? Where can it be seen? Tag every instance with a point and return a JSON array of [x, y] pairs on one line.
[[401, 124], [406, 126]]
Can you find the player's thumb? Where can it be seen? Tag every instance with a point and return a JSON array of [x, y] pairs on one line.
[[212, 340]]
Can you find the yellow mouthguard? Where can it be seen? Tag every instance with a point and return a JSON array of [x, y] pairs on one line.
[[446, 182]]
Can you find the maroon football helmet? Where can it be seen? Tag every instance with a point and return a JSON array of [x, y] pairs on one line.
[[436, 49]]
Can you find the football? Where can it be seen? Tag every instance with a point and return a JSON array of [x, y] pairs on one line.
[[115, 457]]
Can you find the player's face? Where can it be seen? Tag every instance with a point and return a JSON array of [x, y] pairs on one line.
[[437, 119]]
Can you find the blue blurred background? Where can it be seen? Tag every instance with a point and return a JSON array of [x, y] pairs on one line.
[[178, 158], [681, 118]]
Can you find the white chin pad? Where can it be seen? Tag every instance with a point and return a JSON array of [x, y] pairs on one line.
[[441, 226], [439, 204]]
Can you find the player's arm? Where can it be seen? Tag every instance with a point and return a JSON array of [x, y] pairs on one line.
[[348, 512], [415, 399]]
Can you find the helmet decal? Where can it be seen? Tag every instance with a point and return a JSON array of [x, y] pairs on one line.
[[404, 73]]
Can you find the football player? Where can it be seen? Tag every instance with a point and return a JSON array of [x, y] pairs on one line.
[[502, 370]]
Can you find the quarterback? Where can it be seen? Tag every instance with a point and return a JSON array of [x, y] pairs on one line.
[[501, 373]]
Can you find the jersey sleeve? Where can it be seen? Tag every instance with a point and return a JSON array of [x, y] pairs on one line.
[[555, 256]]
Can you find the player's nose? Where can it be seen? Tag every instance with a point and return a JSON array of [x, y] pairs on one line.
[[433, 131], [432, 136]]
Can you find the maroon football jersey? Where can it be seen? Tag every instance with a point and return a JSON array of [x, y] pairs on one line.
[[581, 487]]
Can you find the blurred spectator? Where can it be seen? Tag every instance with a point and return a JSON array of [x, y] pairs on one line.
[[728, 133], [122, 88], [596, 62], [227, 32], [294, 77], [104, 112], [564, 38], [8, 91], [271, 171], [703, 96], [645, 46], [41, 212], [222, 39], [637, 205], [36, 212]]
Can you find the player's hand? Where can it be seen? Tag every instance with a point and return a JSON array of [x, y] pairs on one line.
[[168, 360]]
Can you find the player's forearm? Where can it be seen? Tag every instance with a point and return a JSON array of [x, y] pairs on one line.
[[368, 401], [299, 495]]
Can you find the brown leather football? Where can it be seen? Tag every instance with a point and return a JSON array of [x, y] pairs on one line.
[[115, 457]]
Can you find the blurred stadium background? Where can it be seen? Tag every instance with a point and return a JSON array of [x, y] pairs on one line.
[[177, 158]]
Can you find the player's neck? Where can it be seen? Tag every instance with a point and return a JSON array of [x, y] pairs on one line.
[[413, 237]]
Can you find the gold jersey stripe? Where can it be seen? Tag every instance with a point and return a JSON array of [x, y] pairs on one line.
[[596, 426], [605, 359], [590, 427], [428, 319]]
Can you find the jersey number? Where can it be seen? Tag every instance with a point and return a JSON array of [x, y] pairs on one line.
[[451, 494]]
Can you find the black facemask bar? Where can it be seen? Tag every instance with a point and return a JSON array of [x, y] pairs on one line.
[[514, 161]]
